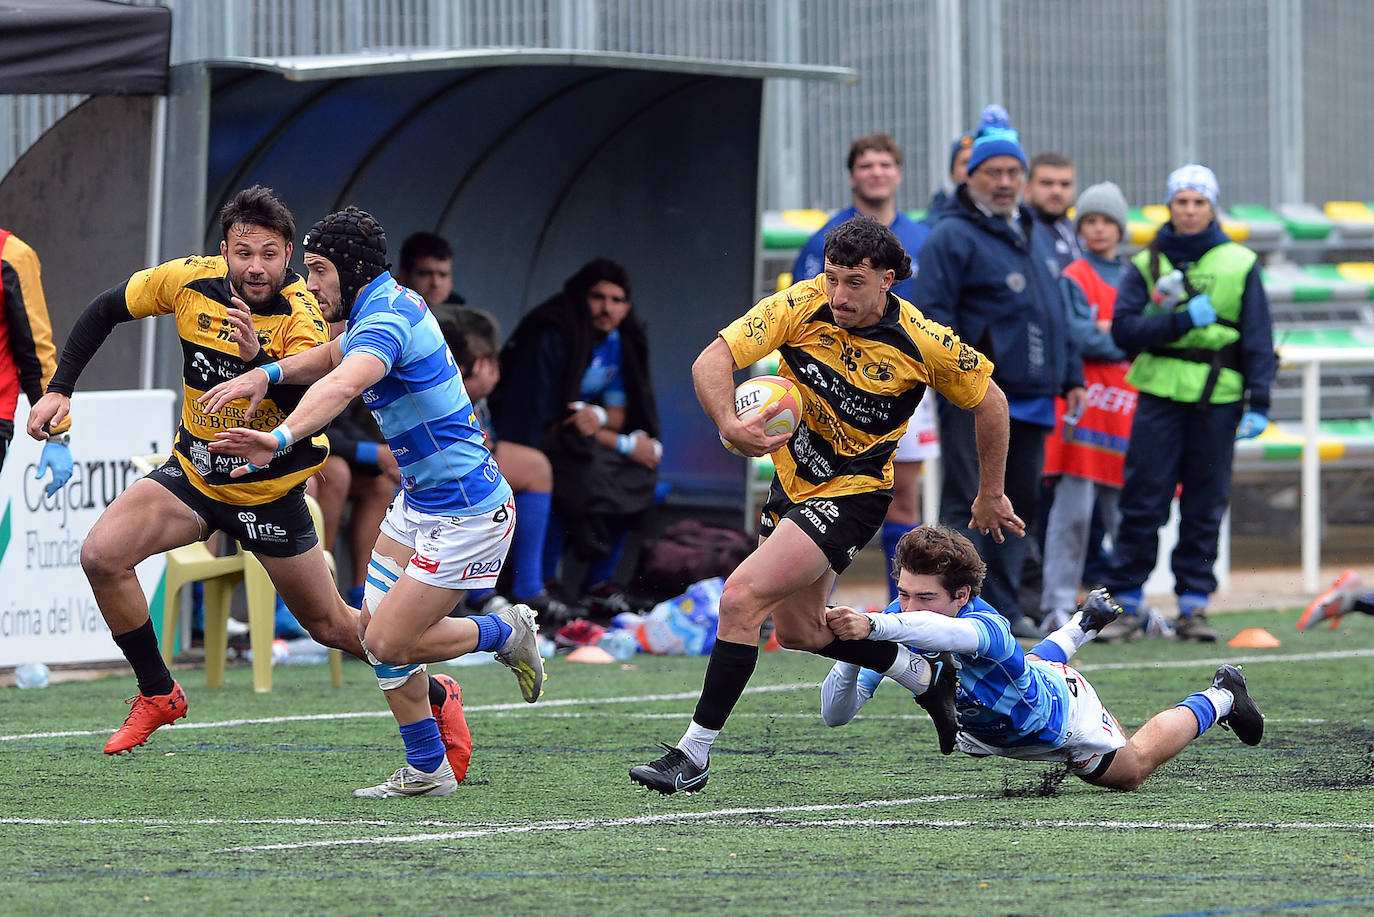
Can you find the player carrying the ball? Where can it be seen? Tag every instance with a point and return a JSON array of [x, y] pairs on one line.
[[861, 358]]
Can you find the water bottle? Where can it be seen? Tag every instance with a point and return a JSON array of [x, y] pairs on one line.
[[620, 643], [305, 651], [31, 675], [1168, 291]]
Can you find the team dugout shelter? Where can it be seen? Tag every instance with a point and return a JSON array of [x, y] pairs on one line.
[[530, 162]]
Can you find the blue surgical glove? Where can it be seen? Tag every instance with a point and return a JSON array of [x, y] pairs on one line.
[[59, 458], [1200, 310], [1251, 425]]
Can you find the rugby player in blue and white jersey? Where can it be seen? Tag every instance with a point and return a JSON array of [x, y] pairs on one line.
[[1030, 706], [450, 526]]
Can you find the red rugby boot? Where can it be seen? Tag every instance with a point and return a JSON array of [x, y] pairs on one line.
[[146, 714]]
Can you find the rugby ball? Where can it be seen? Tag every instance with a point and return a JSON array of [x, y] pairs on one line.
[[762, 392]]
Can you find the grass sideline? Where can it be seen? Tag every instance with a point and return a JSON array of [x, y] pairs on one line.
[[248, 808]]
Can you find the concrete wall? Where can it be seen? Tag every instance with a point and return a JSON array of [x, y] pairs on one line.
[[79, 196]]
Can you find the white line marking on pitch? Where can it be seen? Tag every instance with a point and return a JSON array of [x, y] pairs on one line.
[[744, 816], [681, 695]]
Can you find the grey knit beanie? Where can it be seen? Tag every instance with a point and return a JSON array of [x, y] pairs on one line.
[[1105, 198]]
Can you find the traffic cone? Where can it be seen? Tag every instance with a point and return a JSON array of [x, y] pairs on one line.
[[1254, 637]]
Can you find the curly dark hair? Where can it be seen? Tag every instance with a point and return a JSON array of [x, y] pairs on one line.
[[864, 238], [938, 550], [258, 206]]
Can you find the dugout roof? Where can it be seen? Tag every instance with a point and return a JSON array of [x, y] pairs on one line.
[[83, 46], [530, 163]]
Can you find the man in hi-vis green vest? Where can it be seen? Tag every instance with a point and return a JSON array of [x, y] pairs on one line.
[[1193, 312]]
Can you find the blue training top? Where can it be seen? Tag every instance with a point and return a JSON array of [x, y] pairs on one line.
[[1002, 699], [421, 405]]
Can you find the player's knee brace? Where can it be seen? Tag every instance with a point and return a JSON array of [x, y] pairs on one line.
[[382, 574]]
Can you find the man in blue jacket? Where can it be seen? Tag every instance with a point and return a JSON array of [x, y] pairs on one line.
[[875, 174], [984, 274]]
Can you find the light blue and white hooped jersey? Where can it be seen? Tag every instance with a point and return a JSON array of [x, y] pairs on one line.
[[421, 405], [1003, 700]]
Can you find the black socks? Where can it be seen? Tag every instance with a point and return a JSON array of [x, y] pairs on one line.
[[139, 646]]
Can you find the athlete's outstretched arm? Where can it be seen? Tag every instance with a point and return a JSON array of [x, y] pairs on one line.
[[321, 403], [90, 331], [298, 369], [929, 630], [992, 511]]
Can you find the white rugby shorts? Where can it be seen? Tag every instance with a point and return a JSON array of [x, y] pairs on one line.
[[1090, 732], [921, 440], [452, 552]]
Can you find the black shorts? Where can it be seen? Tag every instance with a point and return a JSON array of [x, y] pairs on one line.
[[281, 528], [840, 526]]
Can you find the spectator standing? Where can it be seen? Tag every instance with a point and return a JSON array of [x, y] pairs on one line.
[[1049, 194], [28, 358], [577, 388], [943, 198], [875, 174], [1086, 454], [1201, 357], [985, 274]]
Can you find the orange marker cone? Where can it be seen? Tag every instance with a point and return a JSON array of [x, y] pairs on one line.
[[1254, 637], [592, 654]]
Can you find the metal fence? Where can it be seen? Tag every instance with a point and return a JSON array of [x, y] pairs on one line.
[[1276, 95]]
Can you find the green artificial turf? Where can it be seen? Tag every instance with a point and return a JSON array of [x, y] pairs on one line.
[[252, 812]]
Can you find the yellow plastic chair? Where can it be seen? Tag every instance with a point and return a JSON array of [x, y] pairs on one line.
[[193, 563]]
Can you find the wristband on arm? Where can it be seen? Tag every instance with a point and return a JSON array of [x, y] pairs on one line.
[[284, 438], [273, 372]]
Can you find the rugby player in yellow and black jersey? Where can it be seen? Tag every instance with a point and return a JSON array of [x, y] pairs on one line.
[[242, 309], [862, 358]]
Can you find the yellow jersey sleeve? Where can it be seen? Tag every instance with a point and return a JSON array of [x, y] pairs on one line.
[[955, 370], [773, 321]]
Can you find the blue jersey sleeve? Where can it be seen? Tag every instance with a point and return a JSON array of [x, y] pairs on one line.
[[385, 335]]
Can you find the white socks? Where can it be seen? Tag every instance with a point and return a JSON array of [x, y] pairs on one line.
[[910, 671], [1222, 700], [696, 743]]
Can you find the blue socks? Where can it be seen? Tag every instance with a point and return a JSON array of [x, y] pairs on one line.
[[603, 569], [527, 544], [1201, 707], [284, 623], [424, 748], [1130, 600], [892, 533], [1191, 603], [492, 633]]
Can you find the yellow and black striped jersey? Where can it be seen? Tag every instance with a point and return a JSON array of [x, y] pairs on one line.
[[859, 386], [196, 290]]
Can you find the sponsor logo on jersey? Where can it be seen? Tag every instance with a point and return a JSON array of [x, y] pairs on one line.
[[200, 457]]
